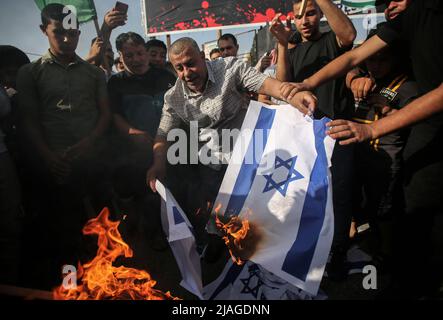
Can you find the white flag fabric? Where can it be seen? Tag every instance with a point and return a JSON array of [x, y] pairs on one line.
[[252, 282], [181, 239], [278, 178]]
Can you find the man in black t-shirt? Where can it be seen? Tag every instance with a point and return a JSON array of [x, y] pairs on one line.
[[136, 96], [315, 50], [379, 163], [420, 26]]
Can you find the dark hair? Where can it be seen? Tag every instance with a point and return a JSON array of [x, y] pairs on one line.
[[298, 1], [12, 56], [54, 11], [128, 37], [215, 50], [155, 43], [228, 36]]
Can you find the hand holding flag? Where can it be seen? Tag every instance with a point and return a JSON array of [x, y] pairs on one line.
[[182, 241]]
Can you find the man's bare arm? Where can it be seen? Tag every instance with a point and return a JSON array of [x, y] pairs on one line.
[[265, 99], [304, 101], [158, 168], [126, 129], [283, 72], [271, 87], [282, 34], [339, 22], [339, 66], [418, 110]]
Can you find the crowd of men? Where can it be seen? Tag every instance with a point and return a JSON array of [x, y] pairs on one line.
[[78, 135]]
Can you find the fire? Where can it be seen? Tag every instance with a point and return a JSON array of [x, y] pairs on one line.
[[100, 280], [234, 232], [240, 236]]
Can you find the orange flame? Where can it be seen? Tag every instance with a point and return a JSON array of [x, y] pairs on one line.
[[202, 210], [235, 232], [100, 280]]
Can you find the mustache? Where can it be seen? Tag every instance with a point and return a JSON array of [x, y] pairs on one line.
[[190, 79]]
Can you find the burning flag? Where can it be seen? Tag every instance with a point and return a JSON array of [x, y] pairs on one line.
[[279, 173], [250, 281], [100, 279], [235, 232], [240, 236], [182, 241]]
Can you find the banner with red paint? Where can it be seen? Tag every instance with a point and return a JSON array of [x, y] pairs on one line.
[[169, 16]]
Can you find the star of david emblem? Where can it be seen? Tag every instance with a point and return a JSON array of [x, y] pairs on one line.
[[282, 186], [253, 290]]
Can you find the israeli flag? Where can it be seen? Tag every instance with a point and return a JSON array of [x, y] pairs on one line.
[[250, 281], [181, 239], [278, 178]]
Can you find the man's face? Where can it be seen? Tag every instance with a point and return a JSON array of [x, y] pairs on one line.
[[380, 64], [157, 56], [227, 48], [62, 41], [190, 66], [134, 58], [308, 25], [215, 55], [395, 7]]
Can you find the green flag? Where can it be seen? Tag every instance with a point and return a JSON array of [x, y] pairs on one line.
[[85, 8], [358, 3]]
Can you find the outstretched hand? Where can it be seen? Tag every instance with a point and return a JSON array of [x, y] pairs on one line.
[[289, 89], [361, 87], [155, 172], [304, 101], [349, 132]]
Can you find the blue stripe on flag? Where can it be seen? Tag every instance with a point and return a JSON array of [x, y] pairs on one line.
[[299, 257], [248, 170], [177, 216]]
